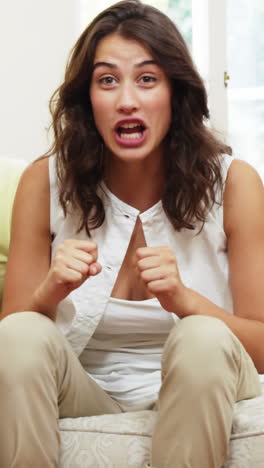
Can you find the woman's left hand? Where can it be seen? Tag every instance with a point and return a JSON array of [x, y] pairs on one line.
[[157, 267]]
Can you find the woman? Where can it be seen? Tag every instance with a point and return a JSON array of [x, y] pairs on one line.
[[140, 241]]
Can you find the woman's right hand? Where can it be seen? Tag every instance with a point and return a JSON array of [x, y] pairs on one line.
[[74, 261]]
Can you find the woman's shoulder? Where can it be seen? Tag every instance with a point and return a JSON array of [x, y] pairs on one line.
[[241, 171], [243, 195], [37, 173], [237, 172], [32, 197]]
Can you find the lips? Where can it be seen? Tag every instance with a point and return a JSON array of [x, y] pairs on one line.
[[130, 132], [126, 123]]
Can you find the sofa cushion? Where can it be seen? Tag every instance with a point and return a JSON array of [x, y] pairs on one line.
[[133, 423], [107, 441], [124, 440], [248, 420]]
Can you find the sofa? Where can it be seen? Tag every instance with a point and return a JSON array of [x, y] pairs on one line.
[[124, 440]]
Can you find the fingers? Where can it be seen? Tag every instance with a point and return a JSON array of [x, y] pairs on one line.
[[62, 275], [157, 267], [148, 262], [143, 252], [70, 262], [163, 252], [81, 249], [155, 257], [94, 269], [74, 261], [78, 255], [152, 274]]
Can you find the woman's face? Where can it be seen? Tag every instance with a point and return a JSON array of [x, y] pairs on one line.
[[131, 99]]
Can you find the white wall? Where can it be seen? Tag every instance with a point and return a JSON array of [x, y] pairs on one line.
[[35, 39]]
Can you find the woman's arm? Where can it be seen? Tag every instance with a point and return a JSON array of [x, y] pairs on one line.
[[244, 226], [29, 251], [32, 282]]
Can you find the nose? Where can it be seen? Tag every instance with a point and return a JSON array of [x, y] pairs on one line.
[[127, 99]]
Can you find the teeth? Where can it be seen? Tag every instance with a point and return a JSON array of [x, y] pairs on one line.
[[130, 125], [131, 136]]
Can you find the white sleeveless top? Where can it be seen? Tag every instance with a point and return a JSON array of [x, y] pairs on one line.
[[124, 353], [201, 256]]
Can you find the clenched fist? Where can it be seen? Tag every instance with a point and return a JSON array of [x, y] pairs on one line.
[[74, 261], [157, 267]]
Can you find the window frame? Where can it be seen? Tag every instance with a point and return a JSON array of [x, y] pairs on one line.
[[210, 55]]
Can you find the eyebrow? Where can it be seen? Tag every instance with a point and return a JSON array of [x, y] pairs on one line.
[[114, 66]]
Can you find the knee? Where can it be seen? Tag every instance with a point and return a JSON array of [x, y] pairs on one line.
[[199, 334], [200, 346], [25, 339], [25, 328]]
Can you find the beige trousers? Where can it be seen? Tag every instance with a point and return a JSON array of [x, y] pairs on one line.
[[205, 371]]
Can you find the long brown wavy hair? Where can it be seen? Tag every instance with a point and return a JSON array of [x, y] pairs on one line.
[[192, 163]]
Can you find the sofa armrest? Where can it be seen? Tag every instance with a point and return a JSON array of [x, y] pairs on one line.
[[10, 172]]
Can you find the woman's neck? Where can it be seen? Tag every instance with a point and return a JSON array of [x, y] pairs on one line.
[[139, 184]]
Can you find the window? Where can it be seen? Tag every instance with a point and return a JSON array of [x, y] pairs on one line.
[[180, 11], [245, 48]]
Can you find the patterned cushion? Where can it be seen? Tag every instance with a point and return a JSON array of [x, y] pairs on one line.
[[124, 440]]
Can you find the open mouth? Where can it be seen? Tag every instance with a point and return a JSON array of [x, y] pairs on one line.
[[131, 131]]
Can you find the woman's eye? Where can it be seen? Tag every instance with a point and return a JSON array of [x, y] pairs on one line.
[[107, 80], [148, 79]]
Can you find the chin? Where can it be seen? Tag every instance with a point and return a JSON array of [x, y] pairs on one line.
[[130, 158], [134, 154]]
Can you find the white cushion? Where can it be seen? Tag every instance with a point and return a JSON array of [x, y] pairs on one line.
[[124, 440]]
